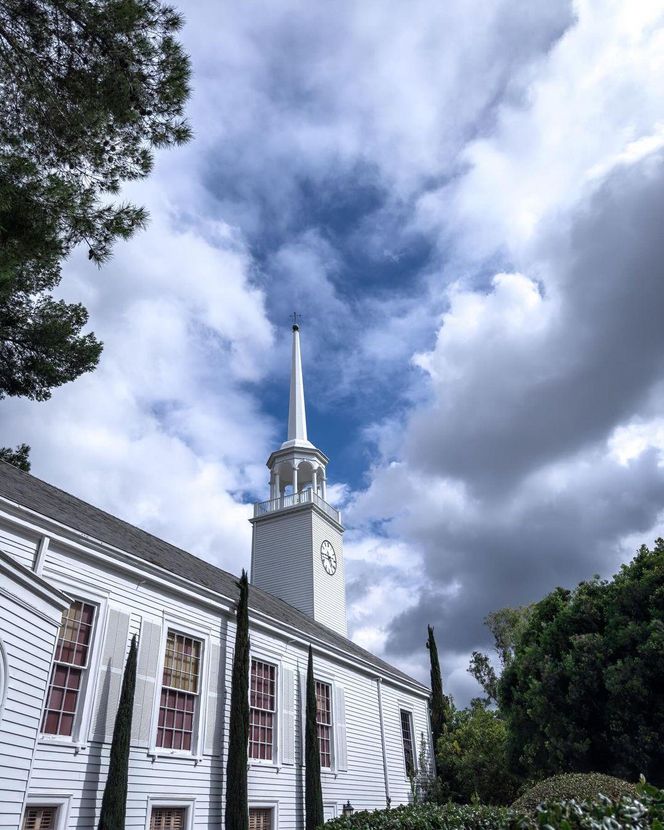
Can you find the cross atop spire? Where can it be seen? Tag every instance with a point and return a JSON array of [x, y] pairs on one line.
[[297, 416]]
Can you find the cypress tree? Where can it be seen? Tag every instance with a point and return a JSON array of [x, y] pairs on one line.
[[114, 802], [237, 810], [440, 705], [313, 793]]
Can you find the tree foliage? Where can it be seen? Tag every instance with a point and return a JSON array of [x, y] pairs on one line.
[[313, 793], [114, 802], [236, 815], [506, 625], [20, 457], [88, 88], [584, 690], [440, 704], [472, 758]]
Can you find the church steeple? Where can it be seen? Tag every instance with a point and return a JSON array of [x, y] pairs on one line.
[[297, 548], [297, 414]]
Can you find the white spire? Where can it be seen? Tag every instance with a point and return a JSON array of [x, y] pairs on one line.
[[297, 416]]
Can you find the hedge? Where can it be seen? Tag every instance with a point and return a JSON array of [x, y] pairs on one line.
[[642, 811], [576, 785]]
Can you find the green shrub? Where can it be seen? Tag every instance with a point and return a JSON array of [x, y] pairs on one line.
[[573, 786], [642, 811]]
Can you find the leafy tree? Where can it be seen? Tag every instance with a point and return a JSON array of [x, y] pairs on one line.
[[584, 690], [440, 704], [472, 758], [114, 802], [507, 626], [313, 793], [20, 457], [88, 88], [237, 812]]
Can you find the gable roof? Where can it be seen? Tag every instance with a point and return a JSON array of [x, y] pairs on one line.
[[49, 501]]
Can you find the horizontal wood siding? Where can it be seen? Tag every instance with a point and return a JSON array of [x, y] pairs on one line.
[[329, 590], [144, 608], [20, 545], [282, 560], [29, 642]]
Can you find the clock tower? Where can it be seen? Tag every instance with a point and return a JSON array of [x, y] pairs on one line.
[[297, 543]]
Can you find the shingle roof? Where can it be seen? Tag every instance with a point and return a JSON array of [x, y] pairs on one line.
[[29, 491]]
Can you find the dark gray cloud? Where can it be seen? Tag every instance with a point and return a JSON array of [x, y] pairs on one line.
[[514, 406], [524, 436]]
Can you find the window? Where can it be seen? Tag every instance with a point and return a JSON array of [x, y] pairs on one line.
[[168, 818], [40, 818], [260, 818], [179, 692], [68, 674], [408, 744], [324, 722], [262, 700]]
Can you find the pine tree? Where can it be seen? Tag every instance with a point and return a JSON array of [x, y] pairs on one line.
[[313, 793], [114, 803], [237, 810], [440, 705]]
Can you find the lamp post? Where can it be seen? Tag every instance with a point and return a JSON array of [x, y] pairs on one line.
[[347, 809]]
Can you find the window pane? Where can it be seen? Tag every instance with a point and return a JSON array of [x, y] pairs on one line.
[[176, 720], [324, 722], [75, 634], [62, 700], [262, 699], [182, 662], [407, 735]]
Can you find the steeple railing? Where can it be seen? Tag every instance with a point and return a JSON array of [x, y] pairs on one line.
[[294, 500]]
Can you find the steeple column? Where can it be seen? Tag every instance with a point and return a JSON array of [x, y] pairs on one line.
[[323, 486], [276, 486], [294, 478], [314, 480]]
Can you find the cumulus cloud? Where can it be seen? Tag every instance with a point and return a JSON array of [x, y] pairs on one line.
[[465, 209], [538, 460]]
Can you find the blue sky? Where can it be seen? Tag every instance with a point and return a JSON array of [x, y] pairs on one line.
[[465, 210]]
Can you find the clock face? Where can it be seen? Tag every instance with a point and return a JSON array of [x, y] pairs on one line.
[[328, 557]]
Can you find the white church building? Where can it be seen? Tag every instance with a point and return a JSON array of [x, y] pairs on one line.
[[77, 583]]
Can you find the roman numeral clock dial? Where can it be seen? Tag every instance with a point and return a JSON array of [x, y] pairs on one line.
[[328, 557]]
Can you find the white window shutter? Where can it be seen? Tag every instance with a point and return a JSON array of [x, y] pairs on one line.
[[339, 715], [215, 702], [303, 714], [287, 716], [149, 647], [111, 670]]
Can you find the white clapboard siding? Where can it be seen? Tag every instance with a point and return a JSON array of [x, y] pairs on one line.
[[339, 711], [214, 720], [287, 716], [19, 545], [146, 677], [110, 675]]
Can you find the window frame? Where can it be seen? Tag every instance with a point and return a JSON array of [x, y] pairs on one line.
[[333, 756], [163, 802], [79, 738], [404, 709], [276, 721], [176, 624], [60, 802]]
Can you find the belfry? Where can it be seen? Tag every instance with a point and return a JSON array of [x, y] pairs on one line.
[[297, 543]]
